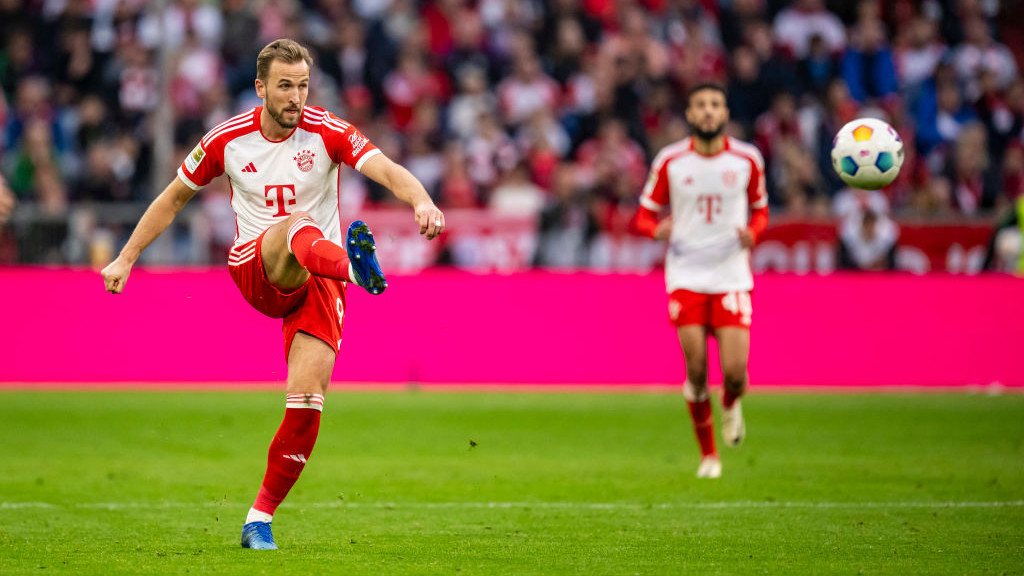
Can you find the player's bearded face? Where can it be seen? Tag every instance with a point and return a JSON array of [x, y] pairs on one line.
[[707, 114], [285, 92]]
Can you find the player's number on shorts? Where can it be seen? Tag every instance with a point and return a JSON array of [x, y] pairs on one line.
[[340, 306], [739, 303]]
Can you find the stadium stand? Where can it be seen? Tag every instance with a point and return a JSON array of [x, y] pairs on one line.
[[536, 117]]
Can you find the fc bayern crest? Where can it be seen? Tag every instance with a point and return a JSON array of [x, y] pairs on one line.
[[729, 178], [304, 160]]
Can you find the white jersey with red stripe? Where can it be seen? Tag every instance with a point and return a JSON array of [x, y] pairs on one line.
[[271, 180], [710, 197]]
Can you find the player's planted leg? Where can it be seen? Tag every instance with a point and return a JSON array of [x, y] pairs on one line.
[[257, 536], [710, 467], [698, 401], [363, 258], [693, 340]]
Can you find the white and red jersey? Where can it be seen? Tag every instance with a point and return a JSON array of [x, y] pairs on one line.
[[710, 197], [271, 180]]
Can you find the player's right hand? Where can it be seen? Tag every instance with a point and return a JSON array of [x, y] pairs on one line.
[[664, 229], [115, 275]]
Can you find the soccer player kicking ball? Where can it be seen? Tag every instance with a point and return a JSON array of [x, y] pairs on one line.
[[290, 258], [713, 186]]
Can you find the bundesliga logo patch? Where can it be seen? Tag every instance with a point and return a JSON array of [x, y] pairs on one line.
[[193, 160], [304, 160]]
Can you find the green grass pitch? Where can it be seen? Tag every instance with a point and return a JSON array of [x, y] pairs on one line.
[[514, 483]]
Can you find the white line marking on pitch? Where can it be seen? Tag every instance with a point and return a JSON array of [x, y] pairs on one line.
[[523, 505]]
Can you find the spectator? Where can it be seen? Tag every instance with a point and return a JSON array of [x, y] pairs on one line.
[[180, 18], [974, 186], [918, 54], [979, 52], [489, 151], [471, 101], [797, 24], [611, 156], [409, 84], [1001, 112], [468, 48], [567, 224], [1013, 171], [526, 91], [457, 189], [7, 202], [775, 129], [777, 68], [941, 113], [634, 43], [239, 46], [820, 66], [867, 66], [867, 241], [568, 49], [695, 59], [516, 195]]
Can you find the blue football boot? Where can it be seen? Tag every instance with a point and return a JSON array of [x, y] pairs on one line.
[[363, 258], [257, 535]]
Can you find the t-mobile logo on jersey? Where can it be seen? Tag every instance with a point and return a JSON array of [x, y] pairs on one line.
[[279, 191], [709, 205]]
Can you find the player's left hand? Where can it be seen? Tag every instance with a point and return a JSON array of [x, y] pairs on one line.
[[746, 237], [430, 219]]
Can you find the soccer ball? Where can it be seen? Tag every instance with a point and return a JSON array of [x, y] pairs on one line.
[[867, 153]]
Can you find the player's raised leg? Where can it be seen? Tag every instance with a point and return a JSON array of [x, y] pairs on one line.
[[734, 349], [295, 246], [693, 340], [310, 364]]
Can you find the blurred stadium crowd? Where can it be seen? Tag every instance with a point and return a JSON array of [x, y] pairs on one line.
[[544, 109]]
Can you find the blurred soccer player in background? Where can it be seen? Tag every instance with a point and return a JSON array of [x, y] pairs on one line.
[[714, 189], [288, 259]]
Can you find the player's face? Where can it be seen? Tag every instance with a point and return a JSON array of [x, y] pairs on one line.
[[284, 93], [707, 114]]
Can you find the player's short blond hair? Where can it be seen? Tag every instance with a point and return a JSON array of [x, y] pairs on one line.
[[283, 50]]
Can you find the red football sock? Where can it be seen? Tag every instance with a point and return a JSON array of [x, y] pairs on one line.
[[290, 449], [703, 425], [315, 253]]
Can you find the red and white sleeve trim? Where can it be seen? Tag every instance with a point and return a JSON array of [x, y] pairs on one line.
[[311, 401], [365, 157]]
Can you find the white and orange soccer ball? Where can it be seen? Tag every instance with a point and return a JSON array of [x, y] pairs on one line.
[[867, 153]]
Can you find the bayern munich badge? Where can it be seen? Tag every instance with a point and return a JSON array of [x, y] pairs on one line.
[[304, 160], [729, 178]]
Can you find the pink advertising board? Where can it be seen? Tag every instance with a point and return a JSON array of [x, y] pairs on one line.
[[190, 326]]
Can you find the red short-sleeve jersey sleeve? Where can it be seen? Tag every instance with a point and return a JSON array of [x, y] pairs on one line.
[[655, 196], [757, 194], [202, 165], [345, 143]]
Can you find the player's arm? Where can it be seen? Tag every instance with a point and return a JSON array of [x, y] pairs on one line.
[[757, 197], [154, 221], [653, 201], [408, 189], [646, 223]]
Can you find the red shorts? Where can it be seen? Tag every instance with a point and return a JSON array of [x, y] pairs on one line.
[[316, 308], [712, 311]]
